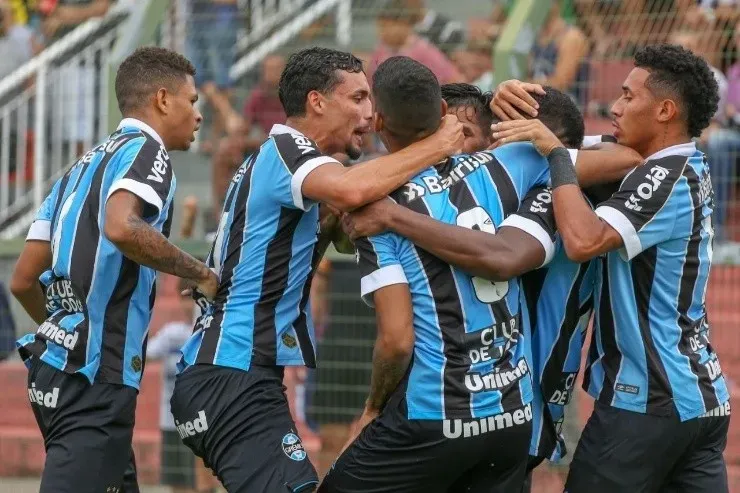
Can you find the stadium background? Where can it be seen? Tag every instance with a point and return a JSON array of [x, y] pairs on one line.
[[55, 101]]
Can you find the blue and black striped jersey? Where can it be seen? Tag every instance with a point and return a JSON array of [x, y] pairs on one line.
[[101, 301], [469, 356], [556, 307], [651, 352], [264, 254]]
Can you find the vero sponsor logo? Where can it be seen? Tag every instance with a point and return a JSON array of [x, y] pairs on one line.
[[192, 428], [159, 168], [43, 399], [303, 144]]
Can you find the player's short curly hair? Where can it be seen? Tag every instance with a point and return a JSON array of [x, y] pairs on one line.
[[677, 72], [147, 70], [313, 69], [460, 94]]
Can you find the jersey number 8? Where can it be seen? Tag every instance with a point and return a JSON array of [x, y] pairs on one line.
[[485, 290]]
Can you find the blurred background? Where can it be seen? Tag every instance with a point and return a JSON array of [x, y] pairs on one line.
[[57, 63]]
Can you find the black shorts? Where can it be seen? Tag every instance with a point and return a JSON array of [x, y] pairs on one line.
[[178, 462], [395, 454], [239, 423], [626, 451], [87, 431]]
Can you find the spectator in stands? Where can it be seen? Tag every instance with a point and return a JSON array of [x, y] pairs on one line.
[[77, 80], [443, 32], [245, 132], [179, 467], [721, 141], [559, 56], [211, 40], [476, 64], [15, 40], [397, 37]]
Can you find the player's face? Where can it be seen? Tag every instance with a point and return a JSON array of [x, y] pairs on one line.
[[184, 118], [349, 113], [634, 112], [476, 139]]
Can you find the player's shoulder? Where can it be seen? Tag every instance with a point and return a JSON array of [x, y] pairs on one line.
[[290, 146], [516, 151]]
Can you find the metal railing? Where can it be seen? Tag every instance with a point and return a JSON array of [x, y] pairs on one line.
[[50, 108]]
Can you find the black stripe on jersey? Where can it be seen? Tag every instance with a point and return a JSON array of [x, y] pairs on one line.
[[167, 226], [212, 333], [660, 396], [689, 278], [552, 373], [612, 358], [115, 323], [504, 186], [274, 282], [531, 288], [452, 326], [60, 199], [301, 324]]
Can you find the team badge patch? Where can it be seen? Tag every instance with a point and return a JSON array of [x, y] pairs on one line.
[[293, 447]]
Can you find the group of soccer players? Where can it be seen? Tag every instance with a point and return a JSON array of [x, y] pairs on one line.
[[483, 269]]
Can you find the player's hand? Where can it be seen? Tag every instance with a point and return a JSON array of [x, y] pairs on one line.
[[369, 220], [208, 286], [513, 100], [450, 135], [533, 131]]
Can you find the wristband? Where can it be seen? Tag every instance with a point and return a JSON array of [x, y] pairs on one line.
[[562, 171]]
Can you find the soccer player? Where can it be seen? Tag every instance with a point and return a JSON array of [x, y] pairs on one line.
[[662, 405], [229, 402], [102, 232], [471, 107], [450, 391]]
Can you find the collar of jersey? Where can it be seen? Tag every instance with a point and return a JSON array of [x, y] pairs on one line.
[[688, 149], [279, 129], [133, 122]]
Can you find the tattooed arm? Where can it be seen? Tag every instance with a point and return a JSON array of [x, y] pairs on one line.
[[140, 242]]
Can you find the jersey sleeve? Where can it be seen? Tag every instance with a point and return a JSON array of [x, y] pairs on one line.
[[143, 168], [536, 217], [645, 208], [299, 156], [379, 264], [526, 167], [40, 229]]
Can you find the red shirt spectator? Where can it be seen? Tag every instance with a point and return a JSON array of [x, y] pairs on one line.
[[263, 109], [423, 52]]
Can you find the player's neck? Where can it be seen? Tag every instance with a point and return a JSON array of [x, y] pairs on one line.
[[312, 132], [664, 141], [156, 126]]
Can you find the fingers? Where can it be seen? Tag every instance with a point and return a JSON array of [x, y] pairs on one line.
[[186, 292], [533, 88], [524, 101], [512, 124], [507, 111]]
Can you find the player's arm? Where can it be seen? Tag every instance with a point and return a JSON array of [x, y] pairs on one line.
[[139, 191], [498, 257], [384, 285], [126, 228], [347, 188], [35, 259]]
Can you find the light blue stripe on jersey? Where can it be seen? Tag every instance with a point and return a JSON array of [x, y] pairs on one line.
[[596, 368], [632, 370]]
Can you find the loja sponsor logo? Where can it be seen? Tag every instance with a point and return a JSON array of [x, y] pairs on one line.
[[192, 428], [542, 202], [459, 428], [58, 335], [43, 399], [654, 179], [475, 382], [159, 168]]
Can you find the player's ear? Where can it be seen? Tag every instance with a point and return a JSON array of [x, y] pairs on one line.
[[444, 108], [315, 102], [161, 100], [378, 122], [667, 110]]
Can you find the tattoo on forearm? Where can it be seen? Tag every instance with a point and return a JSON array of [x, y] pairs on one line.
[[387, 374], [149, 247]]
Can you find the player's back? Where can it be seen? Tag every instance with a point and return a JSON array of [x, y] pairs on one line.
[[100, 299], [468, 354], [264, 254]]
